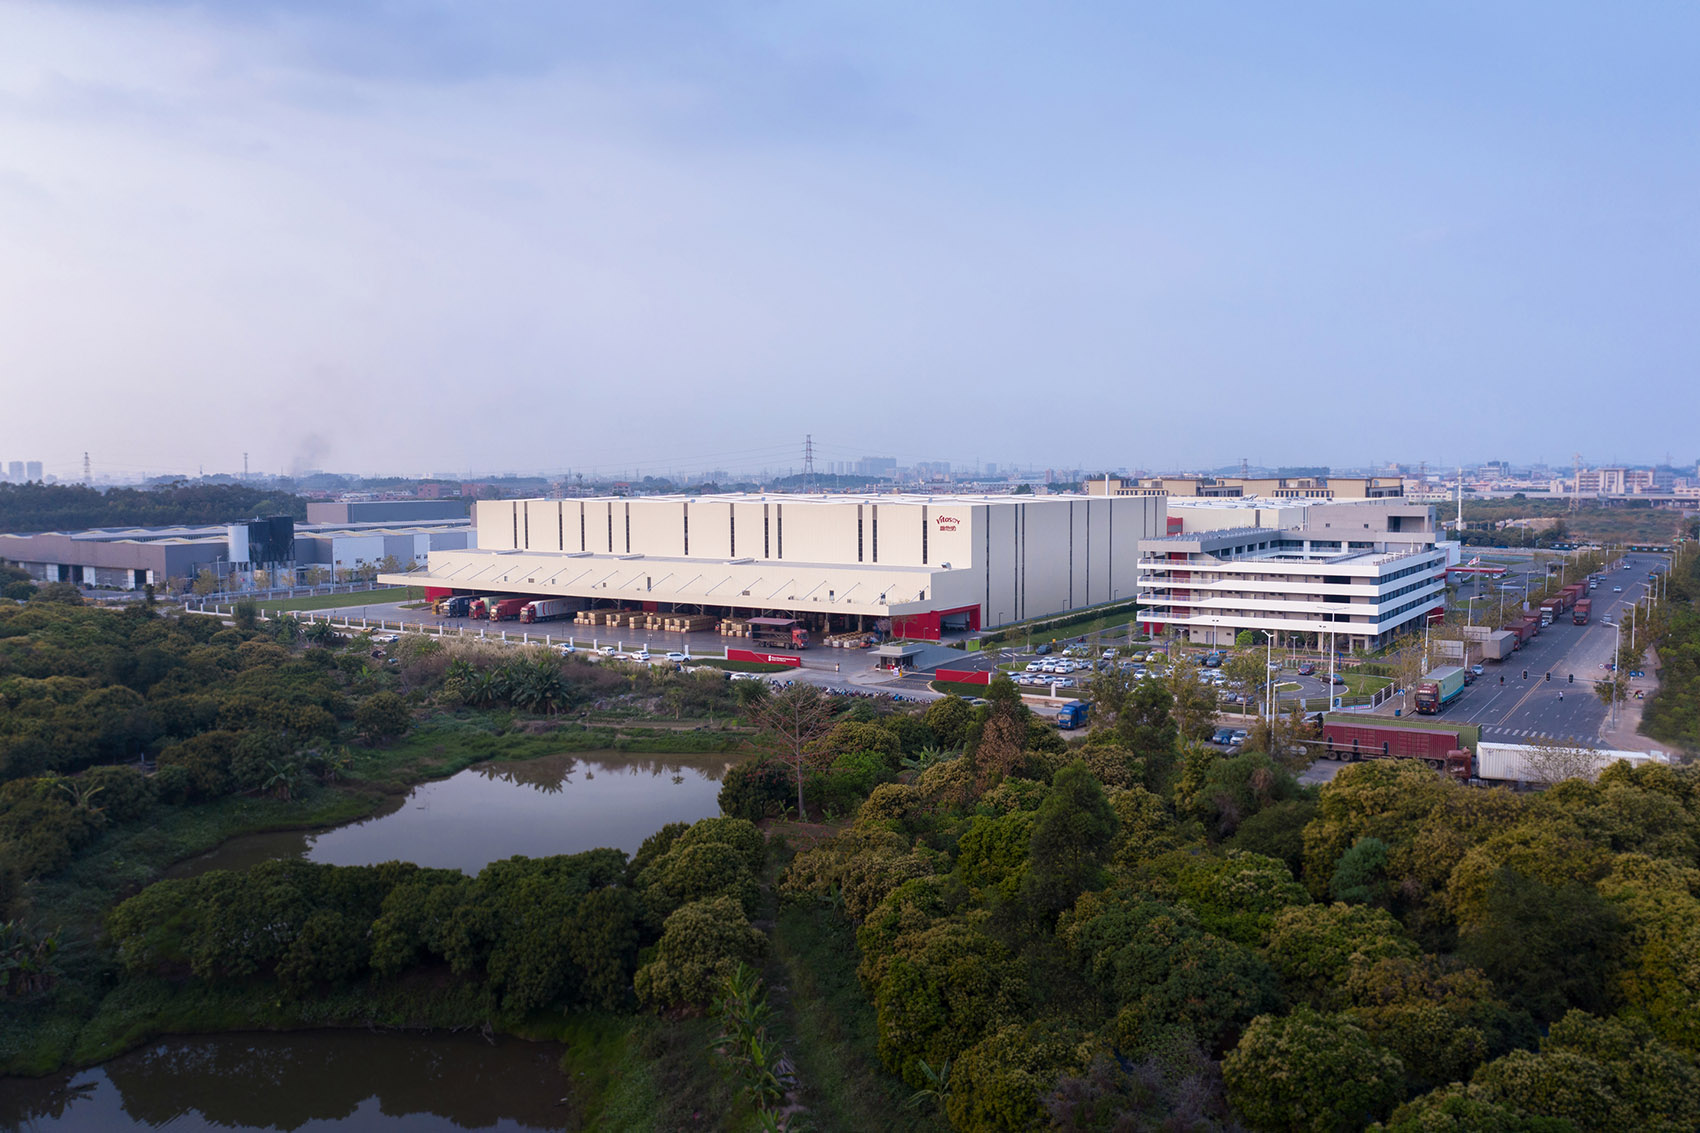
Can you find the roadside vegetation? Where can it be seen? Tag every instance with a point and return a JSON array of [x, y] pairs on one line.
[[906, 918]]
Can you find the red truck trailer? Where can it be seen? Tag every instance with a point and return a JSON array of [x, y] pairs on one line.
[[507, 609], [479, 608], [1573, 594], [1584, 608], [1440, 749]]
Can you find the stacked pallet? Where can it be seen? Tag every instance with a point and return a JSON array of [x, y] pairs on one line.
[[734, 627], [692, 623]]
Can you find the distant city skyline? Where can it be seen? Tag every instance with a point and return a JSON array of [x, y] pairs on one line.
[[659, 238]]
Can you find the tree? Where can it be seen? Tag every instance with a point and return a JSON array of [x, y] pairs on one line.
[[1195, 701], [701, 946], [949, 719], [205, 582], [1549, 947], [1072, 835], [1310, 1072], [382, 716], [790, 722]]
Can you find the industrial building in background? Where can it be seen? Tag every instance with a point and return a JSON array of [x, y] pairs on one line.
[[909, 565], [274, 549], [1253, 487], [1358, 572]]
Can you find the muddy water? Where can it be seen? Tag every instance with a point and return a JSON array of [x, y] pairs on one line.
[[350, 1081], [560, 804]]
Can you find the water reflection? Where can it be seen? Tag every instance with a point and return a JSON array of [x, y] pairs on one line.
[[306, 1080], [560, 804]]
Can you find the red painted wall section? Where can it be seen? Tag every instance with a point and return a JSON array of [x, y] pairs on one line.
[[918, 627], [930, 625], [432, 593], [764, 658], [962, 676], [651, 607]]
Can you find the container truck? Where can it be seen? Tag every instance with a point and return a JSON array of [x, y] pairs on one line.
[[1584, 607], [545, 609], [1550, 609], [778, 633], [1073, 714], [506, 609], [1439, 688], [1441, 750], [1499, 645], [479, 608], [1539, 766], [1573, 594]]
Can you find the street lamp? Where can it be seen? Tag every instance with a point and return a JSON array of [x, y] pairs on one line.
[[1617, 640], [1268, 682], [1469, 606]]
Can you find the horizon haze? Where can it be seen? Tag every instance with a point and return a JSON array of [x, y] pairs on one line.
[[665, 239]]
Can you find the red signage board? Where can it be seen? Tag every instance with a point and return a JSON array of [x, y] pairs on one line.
[[790, 659]]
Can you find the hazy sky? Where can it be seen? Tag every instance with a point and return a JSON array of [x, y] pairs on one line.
[[496, 236]]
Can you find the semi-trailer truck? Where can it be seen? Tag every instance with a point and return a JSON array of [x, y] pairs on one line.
[[507, 609], [1550, 609], [1498, 645], [1584, 608], [1442, 750], [545, 609], [479, 608], [778, 633], [1073, 714], [1439, 688]]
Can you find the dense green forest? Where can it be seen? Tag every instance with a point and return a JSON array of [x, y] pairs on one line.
[[64, 507], [984, 925]]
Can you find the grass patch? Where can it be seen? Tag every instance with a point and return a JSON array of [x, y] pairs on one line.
[[1359, 684], [831, 1027], [338, 601]]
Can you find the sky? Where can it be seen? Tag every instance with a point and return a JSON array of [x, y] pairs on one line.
[[661, 238]]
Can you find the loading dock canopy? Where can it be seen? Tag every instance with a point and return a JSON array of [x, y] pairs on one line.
[[771, 621], [896, 652]]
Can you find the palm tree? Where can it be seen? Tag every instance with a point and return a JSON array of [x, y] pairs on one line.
[[26, 960]]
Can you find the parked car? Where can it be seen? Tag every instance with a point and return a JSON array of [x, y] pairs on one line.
[[641, 655], [676, 657], [1223, 736], [1240, 736], [386, 639], [1307, 669], [1033, 667], [566, 650], [1338, 679], [1043, 649], [1477, 669]]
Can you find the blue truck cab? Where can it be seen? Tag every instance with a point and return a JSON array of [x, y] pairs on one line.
[[1073, 714]]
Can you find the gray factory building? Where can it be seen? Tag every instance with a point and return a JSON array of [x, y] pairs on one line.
[[134, 557]]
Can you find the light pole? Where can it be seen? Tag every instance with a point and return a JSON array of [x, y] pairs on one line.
[[1470, 609], [1268, 681], [1617, 640]]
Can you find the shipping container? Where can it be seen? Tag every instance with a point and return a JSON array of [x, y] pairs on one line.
[[1440, 749]]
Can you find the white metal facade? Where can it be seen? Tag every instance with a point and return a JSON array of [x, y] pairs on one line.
[[1009, 557]]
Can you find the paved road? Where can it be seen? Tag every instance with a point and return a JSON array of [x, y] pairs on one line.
[[1520, 710]]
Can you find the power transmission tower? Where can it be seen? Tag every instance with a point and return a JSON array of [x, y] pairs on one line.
[[88, 477], [809, 459]]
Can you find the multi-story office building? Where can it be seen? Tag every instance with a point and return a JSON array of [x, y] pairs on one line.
[[1250, 487], [1360, 571]]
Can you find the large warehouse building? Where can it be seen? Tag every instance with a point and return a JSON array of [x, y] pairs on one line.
[[915, 565]]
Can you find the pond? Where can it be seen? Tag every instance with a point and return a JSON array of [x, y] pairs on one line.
[[556, 804], [309, 1080]]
